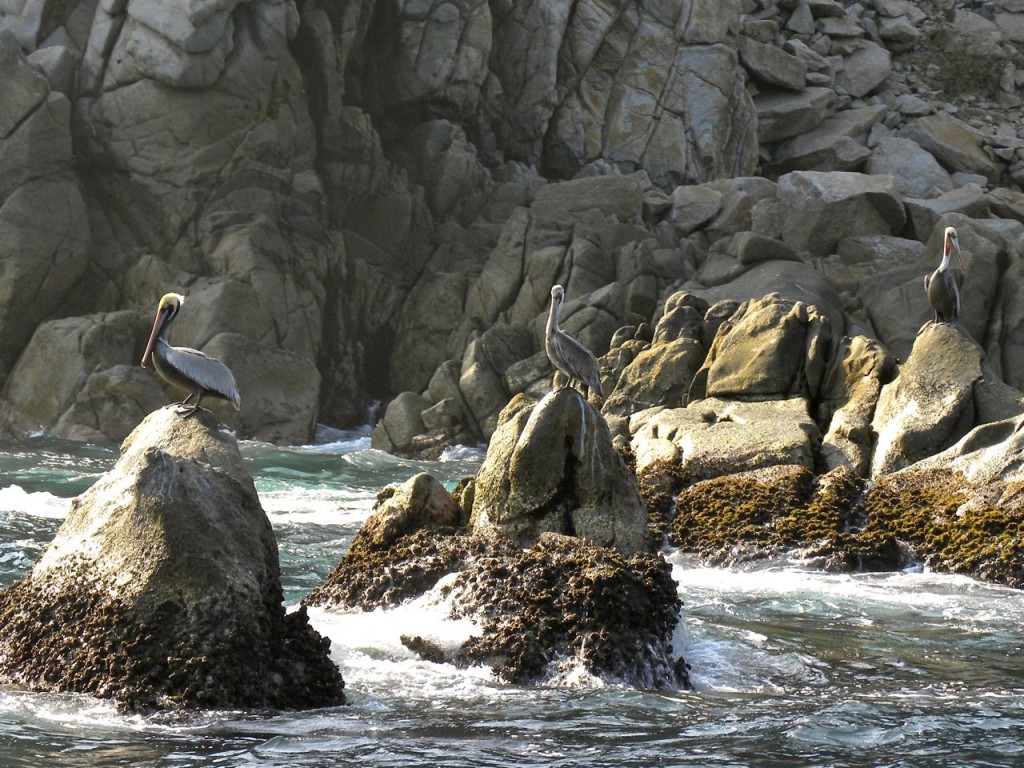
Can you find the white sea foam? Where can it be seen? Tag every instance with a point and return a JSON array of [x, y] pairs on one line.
[[462, 453], [367, 646], [16, 499], [317, 506]]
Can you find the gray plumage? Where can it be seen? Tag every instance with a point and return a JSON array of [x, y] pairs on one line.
[[941, 285], [189, 369], [565, 353]]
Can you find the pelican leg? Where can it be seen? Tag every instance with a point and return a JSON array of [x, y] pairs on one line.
[[188, 411]]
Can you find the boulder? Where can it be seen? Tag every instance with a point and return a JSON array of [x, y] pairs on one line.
[[820, 209], [790, 280], [772, 65], [923, 215], [43, 219], [402, 422], [782, 113], [692, 207], [661, 373], [551, 467], [616, 195], [280, 390], [420, 503], [988, 453], [162, 588], [77, 348], [837, 144], [482, 381], [864, 69], [917, 172], [769, 348], [850, 397], [713, 437], [944, 389], [110, 405], [954, 144]]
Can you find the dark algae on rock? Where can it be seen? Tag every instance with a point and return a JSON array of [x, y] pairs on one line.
[[566, 599], [934, 517]]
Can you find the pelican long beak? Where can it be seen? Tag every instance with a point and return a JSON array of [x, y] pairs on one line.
[[959, 258], [158, 324]]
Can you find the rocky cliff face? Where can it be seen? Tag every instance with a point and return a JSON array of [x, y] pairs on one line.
[[366, 198]]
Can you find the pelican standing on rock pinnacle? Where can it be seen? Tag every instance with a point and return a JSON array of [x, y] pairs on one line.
[[567, 354], [941, 285], [187, 368]]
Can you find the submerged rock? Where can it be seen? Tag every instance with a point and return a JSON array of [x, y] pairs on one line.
[[162, 588]]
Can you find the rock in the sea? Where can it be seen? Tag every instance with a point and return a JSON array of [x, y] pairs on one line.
[[162, 588], [566, 602], [540, 612], [551, 467], [943, 390], [765, 512]]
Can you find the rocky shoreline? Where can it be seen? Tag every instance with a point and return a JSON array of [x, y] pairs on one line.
[[741, 200]]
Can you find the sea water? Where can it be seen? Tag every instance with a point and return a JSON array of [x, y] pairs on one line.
[[792, 666]]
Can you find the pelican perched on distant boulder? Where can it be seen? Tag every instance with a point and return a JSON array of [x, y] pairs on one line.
[[565, 353], [187, 368], [941, 285]]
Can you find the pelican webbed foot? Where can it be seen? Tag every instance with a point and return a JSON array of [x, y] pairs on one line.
[[184, 409]]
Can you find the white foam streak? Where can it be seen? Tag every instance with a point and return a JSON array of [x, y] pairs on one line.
[[368, 647], [14, 498], [317, 506]]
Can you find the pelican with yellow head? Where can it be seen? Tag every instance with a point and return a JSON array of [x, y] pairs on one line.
[[185, 368]]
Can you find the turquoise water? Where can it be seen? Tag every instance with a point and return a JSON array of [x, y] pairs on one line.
[[793, 667]]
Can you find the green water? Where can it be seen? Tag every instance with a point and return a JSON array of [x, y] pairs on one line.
[[793, 667]]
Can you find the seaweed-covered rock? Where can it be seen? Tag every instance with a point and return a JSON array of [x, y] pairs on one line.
[[162, 588], [551, 467], [932, 515], [563, 603], [950, 524], [420, 502], [766, 512], [569, 601]]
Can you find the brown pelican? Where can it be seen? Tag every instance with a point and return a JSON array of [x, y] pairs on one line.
[[567, 354], [187, 368], [943, 292]]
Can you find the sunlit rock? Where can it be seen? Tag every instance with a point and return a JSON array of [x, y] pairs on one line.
[[551, 467], [162, 588]]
